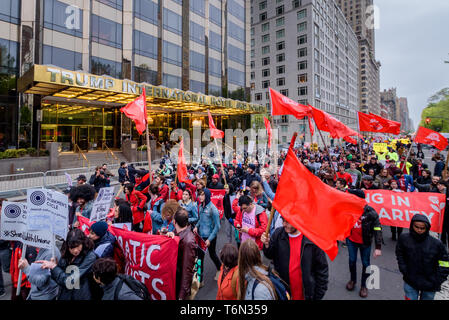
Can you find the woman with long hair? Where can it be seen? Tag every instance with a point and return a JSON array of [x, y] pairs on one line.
[[254, 283], [191, 207], [77, 255], [258, 194], [228, 278]]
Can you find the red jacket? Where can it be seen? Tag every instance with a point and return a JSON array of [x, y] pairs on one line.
[[163, 192], [137, 200], [261, 222], [175, 195], [14, 268]]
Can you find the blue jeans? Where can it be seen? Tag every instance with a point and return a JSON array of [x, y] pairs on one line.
[[365, 252], [413, 294]]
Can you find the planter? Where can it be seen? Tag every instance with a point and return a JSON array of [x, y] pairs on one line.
[[24, 165]]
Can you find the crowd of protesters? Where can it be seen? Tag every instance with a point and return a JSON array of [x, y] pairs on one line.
[[156, 203]]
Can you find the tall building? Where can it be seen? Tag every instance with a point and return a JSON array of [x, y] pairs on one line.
[[307, 51], [390, 99], [79, 61], [360, 17], [405, 115]]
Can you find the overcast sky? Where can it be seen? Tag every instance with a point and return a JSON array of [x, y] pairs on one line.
[[411, 43]]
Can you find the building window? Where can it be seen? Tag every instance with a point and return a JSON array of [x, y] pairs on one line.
[[266, 61], [253, 75], [302, 39], [236, 32], [280, 10], [172, 21], [10, 11], [236, 10], [265, 84], [280, 57], [253, 43], [280, 33], [236, 77], [302, 65], [236, 54], [258, 96], [198, 6], [197, 86], [197, 33], [144, 74], [146, 10], [145, 44], [265, 38], [265, 72], [106, 32], [252, 64], [280, 69], [171, 81], [265, 49], [302, 26], [302, 52], [54, 16], [280, 45], [280, 21], [66, 59], [302, 78], [172, 53], [215, 41], [302, 91], [263, 16], [263, 5], [296, 4], [280, 82], [302, 14], [215, 15], [197, 61], [284, 92], [101, 66], [265, 26]]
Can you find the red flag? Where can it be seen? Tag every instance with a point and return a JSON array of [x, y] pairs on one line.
[[216, 197], [370, 124], [431, 137], [350, 140], [282, 105], [391, 126], [325, 122], [181, 168], [268, 127], [137, 111], [214, 132], [323, 214], [312, 130]]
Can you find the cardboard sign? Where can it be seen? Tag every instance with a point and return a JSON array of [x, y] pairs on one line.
[[13, 227], [102, 204], [380, 147], [48, 210], [397, 208]]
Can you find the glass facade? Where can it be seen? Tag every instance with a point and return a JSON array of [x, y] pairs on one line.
[[106, 32], [197, 61], [172, 21], [172, 53], [10, 11], [146, 10], [62, 58], [145, 44], [57, 17], [102, 66]]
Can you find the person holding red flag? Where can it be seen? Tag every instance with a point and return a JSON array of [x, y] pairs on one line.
[[430, 137], [269, 132], [137, 201]]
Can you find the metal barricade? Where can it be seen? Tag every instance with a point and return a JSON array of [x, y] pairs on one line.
[[21, 181]]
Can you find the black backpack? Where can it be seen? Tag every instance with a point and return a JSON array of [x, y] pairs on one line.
[[282, 288], [138, 287]]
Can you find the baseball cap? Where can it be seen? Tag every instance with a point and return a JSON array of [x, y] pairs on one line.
[[81, 177]]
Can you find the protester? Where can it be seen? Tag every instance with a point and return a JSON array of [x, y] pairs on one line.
[[99, 179], [361, 238], [356, 175], [81, 179], [25, 287], [215, 183], [228, 284], [207, 227], [5, 257], [428, 187], [382, 179], [123, 173], [190, 206], [422, 259], [405, 181], [254, 284], [104, 272], [137, 200], [103, 239], [257, 193], [156, 204], [77, 251], [343, 174], [299, 262], [251, 175], [168, 211], [84, 196], [122, 214]]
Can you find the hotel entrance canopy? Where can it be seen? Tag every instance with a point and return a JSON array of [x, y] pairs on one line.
[[83, 88]]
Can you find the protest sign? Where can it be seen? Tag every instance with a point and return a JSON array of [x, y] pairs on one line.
[[380, 147], [13, 227], [100, 208], [216, 197], [48, 210], [397, 208], [69, 180]]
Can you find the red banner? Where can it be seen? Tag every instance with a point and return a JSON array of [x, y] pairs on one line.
[[217, 196], [431, 137], [397, 208], [150, 259]]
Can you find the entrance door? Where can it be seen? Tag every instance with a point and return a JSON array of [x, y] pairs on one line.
[[82, 137]]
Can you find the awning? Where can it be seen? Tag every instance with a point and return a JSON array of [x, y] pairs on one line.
[[77, 87]]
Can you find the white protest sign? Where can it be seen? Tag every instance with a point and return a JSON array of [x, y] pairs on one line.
[[13, 227], [48, 210], [102, 204], [69, 180]]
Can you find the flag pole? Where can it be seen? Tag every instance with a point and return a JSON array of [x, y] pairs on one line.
[[445, 173], [149, 154], [322, 139], [408, 153], [221, 163], [292, 143], [19, 284], [360, 138]]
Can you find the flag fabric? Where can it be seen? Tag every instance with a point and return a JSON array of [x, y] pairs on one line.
[[350, 140], [323, 214], [181, 168], [370, 124], [214, 132], [269, 132], [325, 122], [391, 126], [282, 105], [430, 137], [137, 111], [312, 130]]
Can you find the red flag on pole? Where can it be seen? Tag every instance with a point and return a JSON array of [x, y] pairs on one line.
[[299, 199], [391, 126], [350, 140], [181, 168], [370, 124], [325, 122], [312, 130], [269, 133], [282, 105], [431, 137], [214, 132], [137, 111]]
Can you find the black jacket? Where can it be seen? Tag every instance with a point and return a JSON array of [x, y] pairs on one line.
[[314, 267], [371, 227], [98, 182], [423, 260]]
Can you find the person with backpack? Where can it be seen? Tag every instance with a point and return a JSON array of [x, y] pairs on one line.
[[103, 239], [228, 279], [117, 287], [299, 262], [254, 283]]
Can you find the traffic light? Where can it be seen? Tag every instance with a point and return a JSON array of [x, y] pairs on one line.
[[427, 120]]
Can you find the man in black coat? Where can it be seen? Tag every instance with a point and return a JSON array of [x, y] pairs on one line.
[[313, 263], [422, 259]]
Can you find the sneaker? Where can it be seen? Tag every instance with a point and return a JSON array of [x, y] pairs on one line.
[[2, 294]]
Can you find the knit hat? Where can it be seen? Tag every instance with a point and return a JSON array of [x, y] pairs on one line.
[[99, 228], [367, 177]]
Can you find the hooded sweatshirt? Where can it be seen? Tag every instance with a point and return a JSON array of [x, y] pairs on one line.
[[422, 259]]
